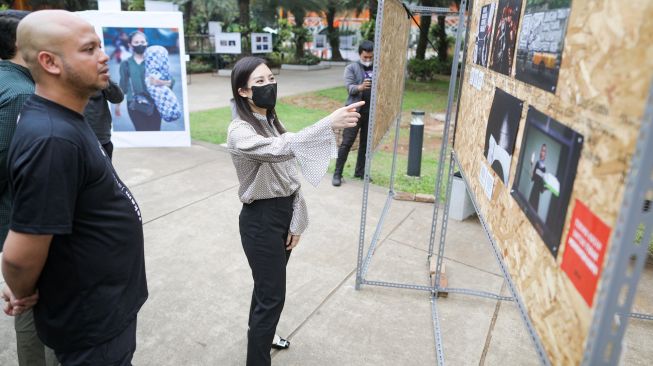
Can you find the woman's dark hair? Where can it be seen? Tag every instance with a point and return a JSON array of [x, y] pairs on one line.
[[135, 33], [239, 77], [367, 46]]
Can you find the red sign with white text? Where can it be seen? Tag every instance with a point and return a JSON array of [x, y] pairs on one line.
[[583, 258]]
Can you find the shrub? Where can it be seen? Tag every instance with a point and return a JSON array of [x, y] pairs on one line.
[[425, 70], [308, 59], [199, 66]]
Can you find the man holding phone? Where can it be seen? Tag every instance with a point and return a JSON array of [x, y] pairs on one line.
[[358, 81]]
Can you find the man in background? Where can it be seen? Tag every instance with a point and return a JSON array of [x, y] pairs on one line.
[[98, 116], [16, 85], [358, 81]]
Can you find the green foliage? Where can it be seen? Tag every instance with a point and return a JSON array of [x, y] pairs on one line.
[[198, 66], [308, 59], [4, 7], [302, 34], [367, 30], [284, 34], [425, 70], [136, 5], [276, 58]]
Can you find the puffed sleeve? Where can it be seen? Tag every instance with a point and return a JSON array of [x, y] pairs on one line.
[[299, 221], [313, 147]]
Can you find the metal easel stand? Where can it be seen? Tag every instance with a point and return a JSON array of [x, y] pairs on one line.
[[364, 260], [626, 256]]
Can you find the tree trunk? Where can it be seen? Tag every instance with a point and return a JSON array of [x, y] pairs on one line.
[[300, 32], [243, 12], [422, 43], [188, 10], [333, 34], [443, 46]]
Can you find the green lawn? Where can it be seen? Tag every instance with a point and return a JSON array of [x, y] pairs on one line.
[[211, 126]]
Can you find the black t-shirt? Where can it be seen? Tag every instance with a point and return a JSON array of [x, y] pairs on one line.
[[93, 282]]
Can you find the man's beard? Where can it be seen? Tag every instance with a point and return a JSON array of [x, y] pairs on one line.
[[74, 79]]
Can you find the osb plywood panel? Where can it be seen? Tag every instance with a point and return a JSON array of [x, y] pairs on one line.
[[391, 71], [605, 75]]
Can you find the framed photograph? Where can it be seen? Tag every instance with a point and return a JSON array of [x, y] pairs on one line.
[[146, 62], [320, 41], [545, 174], [501, 132], [541, 41], [505, 35], [228, 43], [261, 42], [484, 35]]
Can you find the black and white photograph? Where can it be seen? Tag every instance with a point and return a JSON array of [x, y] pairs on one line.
[[541, 42], [501, 132], [545, 174], [505, 35], [484, 35]]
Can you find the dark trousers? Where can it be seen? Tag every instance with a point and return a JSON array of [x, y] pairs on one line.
[[143, 122], [264, 226], [348, 138], [118, 351], [108, 148]]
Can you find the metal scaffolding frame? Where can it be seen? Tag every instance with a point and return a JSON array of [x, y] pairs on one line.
[[626, 257]]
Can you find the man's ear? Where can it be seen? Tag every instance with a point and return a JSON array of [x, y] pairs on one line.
[[49, 62]]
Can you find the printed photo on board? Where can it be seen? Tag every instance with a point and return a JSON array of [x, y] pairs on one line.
[[505, 35], [501, 132], [541, 41], [484, 35], [145, 63], [545, 176]]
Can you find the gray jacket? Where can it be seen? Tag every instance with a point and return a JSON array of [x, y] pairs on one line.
[[354, 76]]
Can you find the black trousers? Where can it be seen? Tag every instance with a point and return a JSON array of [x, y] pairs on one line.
[[143, 122], [264, 226], [118, 351], [348, 138], [108, 148]]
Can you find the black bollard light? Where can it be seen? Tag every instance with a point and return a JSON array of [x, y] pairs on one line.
[[415, 143]]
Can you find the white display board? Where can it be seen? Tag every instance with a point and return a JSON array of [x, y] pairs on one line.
[[215, 28], [164, 36], [108, 5], [228, 43], [320, 42], [261, 42]]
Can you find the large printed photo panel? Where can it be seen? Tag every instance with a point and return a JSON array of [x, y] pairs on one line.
[[146, 59], [545, 174]]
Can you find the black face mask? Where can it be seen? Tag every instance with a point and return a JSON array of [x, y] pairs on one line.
[[140, 49], [265, 96]]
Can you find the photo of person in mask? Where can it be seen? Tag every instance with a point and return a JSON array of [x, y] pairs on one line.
[[274, 213], [141, 106]]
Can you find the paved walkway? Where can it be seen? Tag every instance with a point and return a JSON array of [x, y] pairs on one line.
[[200, 282]]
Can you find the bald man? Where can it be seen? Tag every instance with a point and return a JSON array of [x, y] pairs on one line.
[[76, 236]]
